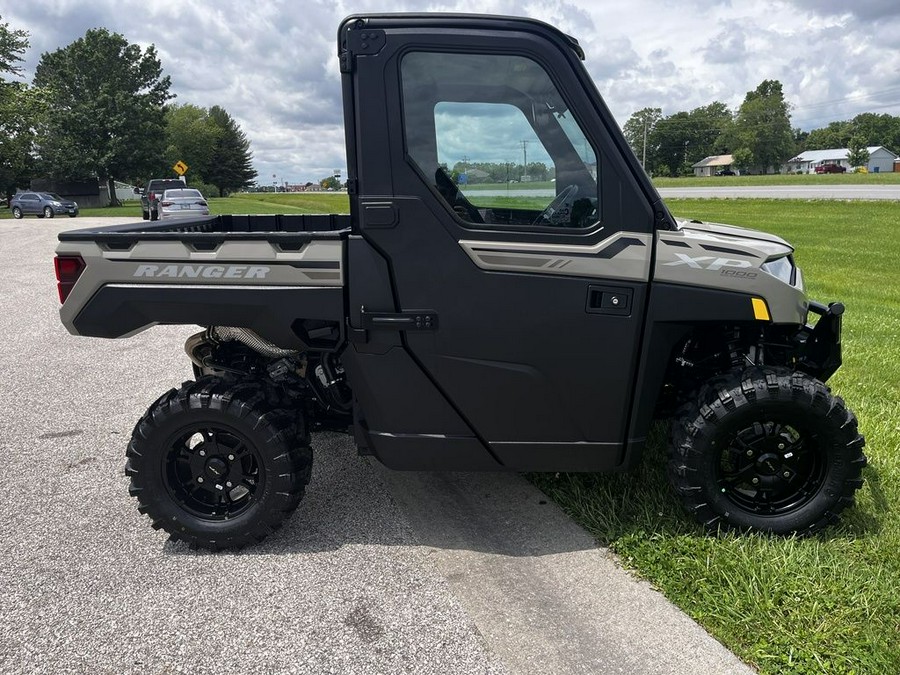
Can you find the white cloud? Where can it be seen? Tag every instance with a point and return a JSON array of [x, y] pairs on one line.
[[273, 65]]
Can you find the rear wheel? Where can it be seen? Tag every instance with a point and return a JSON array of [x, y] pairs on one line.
[[154, 215], [48, 212], [216, 466], [17, 212], [766, 449], [145, 215]]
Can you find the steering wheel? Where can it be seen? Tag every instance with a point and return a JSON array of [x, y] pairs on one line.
[[455, 198], [558, 211]]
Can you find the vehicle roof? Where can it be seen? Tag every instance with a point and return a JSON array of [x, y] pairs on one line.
[[448, 19], [165, 181]]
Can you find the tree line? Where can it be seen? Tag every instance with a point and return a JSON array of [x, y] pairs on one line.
[[100, 109], [758, 134]]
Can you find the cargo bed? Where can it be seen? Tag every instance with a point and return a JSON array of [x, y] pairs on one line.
[[230, 270]]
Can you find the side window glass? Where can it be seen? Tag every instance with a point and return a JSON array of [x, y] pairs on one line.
[[493, 136]]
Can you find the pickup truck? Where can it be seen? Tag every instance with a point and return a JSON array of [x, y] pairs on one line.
[[153, 192], [447, 328]]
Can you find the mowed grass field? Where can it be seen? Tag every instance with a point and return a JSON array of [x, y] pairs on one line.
[[827, 604]]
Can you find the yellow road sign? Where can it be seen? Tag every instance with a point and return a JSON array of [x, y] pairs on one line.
[[180, 168]]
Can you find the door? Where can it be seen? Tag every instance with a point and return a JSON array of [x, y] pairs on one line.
[[518, 233]]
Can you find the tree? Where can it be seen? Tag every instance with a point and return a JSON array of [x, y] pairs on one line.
[[13, 43], [859, 153], [763, 126], [19, 109], [835, 135], [742, 159], [330, 183], [874, 129], [639, 128], [106, 114], [191, 137], [232, 162]]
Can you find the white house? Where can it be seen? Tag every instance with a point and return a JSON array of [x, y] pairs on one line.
[[881, 160], [709, 165]]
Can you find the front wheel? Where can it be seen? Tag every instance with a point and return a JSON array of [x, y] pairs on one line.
[[216, 466], [766, 449], [48, 212]]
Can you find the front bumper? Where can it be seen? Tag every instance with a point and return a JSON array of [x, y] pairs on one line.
[[819, 346]]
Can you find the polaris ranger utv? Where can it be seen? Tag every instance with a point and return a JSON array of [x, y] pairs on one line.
[[449, 329]]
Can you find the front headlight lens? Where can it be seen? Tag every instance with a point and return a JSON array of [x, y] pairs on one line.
[[781, 268]]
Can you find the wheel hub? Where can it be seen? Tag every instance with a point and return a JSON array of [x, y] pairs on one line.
[[767, 468], [768, 464], [212, 472], [216, 467]]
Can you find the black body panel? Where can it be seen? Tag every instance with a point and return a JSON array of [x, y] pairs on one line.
[[117, 310], [539, 377]]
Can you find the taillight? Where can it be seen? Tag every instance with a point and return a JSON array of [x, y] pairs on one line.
[[68, 269], [202, 203], [166, 203]]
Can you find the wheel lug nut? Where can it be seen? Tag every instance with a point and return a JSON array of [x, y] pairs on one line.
[[755, 481], [231, 457], [202, 453], [228, 483], [749, 453], [781, 446], [786, 474], [199, 479]]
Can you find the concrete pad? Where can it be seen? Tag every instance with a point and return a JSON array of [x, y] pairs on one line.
[[545, 597]]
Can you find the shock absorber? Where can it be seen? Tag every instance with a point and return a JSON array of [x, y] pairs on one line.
[[737, 356]]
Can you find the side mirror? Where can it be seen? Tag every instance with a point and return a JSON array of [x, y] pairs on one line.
[[138, 191]]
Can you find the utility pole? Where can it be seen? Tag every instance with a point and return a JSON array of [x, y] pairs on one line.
[[525, 159], [644, 158]]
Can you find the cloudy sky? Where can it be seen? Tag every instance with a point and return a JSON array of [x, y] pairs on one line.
[[273, 64]]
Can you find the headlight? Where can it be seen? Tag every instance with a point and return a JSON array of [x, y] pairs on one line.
[[56, 203], [781, 268]]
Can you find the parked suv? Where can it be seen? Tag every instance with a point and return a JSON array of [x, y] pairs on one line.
[[42, 205], [151, 195], [830, 168]]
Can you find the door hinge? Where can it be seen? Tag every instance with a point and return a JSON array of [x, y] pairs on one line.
[[346, 61]]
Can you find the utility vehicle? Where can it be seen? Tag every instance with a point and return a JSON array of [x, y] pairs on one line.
[[449, 327]]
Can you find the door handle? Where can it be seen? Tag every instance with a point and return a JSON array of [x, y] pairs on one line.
[[416, 319], [612, 300]]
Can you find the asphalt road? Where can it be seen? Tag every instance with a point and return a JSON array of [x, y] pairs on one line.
[[862, 192], [377, 572]]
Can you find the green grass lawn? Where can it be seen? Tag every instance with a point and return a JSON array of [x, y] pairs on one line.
[[829, 604]]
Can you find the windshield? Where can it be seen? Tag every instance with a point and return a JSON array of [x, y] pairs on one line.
[[183, 194], [51, 195]]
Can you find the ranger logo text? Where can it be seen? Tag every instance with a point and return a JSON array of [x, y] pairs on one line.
[[202, 271]]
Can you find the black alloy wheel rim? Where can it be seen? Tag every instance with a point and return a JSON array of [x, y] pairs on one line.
[[212, 472], [771, 468]]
